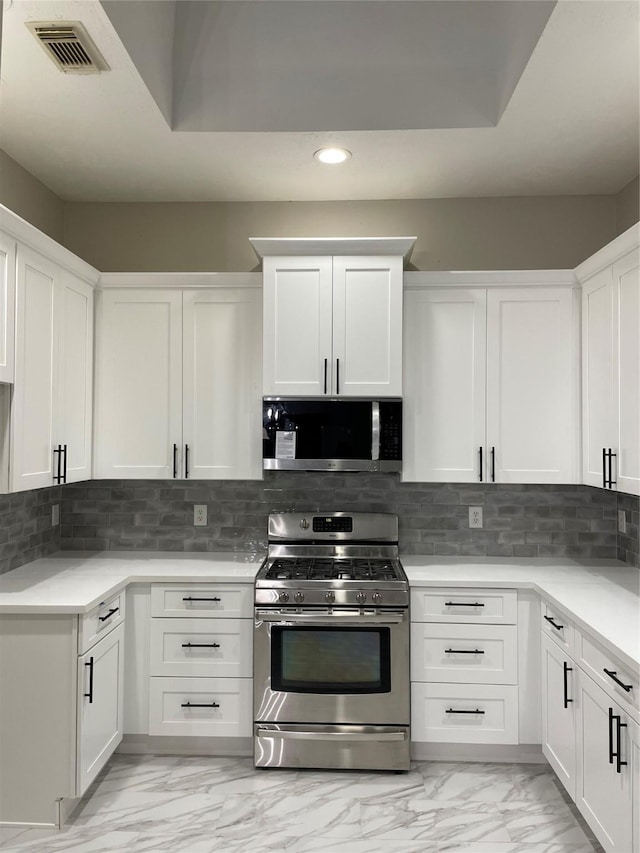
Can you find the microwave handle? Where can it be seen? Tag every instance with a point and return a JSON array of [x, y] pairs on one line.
[[375, 431]]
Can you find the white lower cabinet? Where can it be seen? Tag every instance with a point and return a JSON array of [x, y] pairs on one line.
[[559, 713], [464, 713], [607, 767], [201, 660]]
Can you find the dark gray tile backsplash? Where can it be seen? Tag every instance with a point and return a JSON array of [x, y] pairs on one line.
[[25, 527], [629, 542], [519, 520]]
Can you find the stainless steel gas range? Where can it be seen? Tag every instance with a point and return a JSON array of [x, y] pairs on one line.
[[331, 644]]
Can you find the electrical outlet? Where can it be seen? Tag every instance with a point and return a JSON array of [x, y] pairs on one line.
[[55, 515], [200, 515], [622, 521], [475, 516]]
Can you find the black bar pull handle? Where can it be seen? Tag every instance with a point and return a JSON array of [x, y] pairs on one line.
[[175, 461], [89, 695], [109, 614], [612, 675], [64, 468], [480, 453], [611, 752], [551, 621], [201, 645], [604, 468], [186, 461], [199, 705], [566, 670], [459, 711], [326, 365], [463, 604], [612, 482], [463, 652], [619, 762], [337, 375], [57, 478], [191, 598], [493, 464]]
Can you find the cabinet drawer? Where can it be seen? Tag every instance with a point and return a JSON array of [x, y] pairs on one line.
[[464, 713], [595, 660], [218, 648], [226, 707], [556, 625], [489, 606], [481, 654], [202, 600], [100, 620]]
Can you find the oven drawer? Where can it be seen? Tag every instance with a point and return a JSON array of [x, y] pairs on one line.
[[203, 600], [555, 624], [488, 606], [201, 647], [100, 621], [211, 707], [464, 713], [482, 654], [607, 671]]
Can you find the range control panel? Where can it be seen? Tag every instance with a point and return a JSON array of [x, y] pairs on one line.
[[333, 524]]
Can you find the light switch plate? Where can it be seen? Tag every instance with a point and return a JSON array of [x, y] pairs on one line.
[[200, 515], [475, 516]]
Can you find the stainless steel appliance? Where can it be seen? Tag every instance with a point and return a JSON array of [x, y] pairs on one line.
[[343, 434], [331, 644]]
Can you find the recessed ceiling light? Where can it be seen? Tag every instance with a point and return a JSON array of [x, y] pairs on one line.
[[332, 155]]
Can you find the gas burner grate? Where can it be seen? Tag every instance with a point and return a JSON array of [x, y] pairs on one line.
[[329, 568]]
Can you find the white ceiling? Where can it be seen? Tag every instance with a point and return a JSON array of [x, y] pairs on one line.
[[503, 98]]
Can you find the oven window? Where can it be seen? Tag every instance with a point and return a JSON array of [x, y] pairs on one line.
[[330, 660]]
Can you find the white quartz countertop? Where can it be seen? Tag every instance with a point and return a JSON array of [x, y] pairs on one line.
[[601, 596]]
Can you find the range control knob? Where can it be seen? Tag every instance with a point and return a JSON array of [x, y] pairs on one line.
[[376, 598], [283, 596], [361, 597], [330, 597], [299, 596], [304, 524]]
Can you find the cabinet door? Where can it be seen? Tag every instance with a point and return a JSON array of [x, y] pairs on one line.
[[444, 399], [532, 385], [32, 436], [558, 713], [626, 280], [367, 326], [597, 373], [100, 703], [221, 344], [297, 326], [74, 401], [7, 306], [139, 383], [604, 795]]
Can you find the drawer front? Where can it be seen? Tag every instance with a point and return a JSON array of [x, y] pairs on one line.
[[608, 672], [479, 654], [489, 606], [226, 707], [216, 648], [556, 625], [229, 601], [99, 621], [464, 713]]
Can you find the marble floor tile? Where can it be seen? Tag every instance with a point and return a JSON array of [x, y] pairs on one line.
[[226, 776], [517, 847], [358, 785], [368, 845], [73, 840], [490, 782], [135, 772], [432, 820], [542, 822]]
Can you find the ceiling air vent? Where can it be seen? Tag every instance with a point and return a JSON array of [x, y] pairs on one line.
[[69, 45]]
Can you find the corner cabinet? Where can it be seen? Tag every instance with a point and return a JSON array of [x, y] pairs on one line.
[[611, 365], [332, 322], [491, 378], [178, 380]]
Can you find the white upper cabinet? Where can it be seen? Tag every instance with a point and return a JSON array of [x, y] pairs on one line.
[[333, 322], [178, 383], [491, 383], [7, 306], [611, 365]]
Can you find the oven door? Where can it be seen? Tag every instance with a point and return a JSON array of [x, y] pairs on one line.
[[339, 666]]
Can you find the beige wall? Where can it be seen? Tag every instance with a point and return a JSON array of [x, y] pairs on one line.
[[482, 233], [628, 205], [30, 199]]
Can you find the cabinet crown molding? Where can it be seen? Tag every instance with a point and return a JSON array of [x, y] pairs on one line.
[[490, 278], [609, 254], [175, 280], [302, 246]]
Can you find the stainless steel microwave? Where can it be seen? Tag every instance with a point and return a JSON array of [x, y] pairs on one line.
[[344, 434]]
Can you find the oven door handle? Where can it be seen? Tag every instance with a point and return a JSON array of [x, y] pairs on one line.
[[361, 736], [327, 619]]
